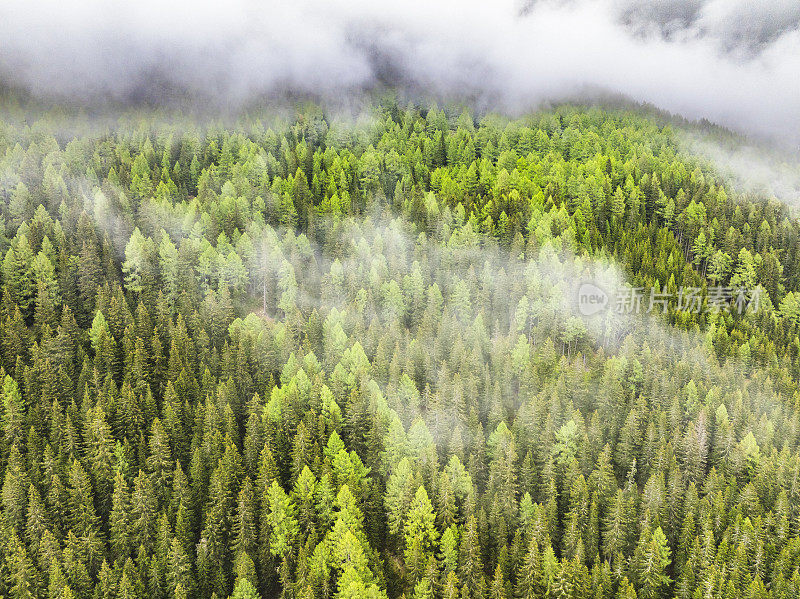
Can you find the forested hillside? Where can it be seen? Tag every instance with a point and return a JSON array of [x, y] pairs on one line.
[[325, 357]]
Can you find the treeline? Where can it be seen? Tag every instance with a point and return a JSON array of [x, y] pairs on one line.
[[332, 359]]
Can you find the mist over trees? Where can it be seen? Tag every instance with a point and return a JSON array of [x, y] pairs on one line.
[[314, 358], [732, 61]]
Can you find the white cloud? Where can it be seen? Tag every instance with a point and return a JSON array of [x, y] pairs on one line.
[[731, 61]]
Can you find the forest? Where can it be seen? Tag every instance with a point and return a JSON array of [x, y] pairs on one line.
[[312, 355]]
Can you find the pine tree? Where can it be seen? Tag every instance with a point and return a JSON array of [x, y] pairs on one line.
[[13, 412], [421, 535], [651, 559], [531, 581], [119, 520], [244, 590], [15, 487], [470, 563], [143, 511], [281, 521], [18, 273], [23, 579]]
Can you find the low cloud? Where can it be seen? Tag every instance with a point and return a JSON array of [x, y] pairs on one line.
[[751, 169], [731, 61]]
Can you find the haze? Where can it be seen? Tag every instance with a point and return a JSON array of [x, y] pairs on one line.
[[733, 62]]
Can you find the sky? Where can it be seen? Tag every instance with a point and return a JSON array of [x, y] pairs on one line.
[[734, 62]]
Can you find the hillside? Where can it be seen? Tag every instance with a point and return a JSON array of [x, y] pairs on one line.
[[321, 356]]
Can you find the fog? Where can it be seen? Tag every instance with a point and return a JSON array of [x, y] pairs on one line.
[[758, 170], [733, 62]]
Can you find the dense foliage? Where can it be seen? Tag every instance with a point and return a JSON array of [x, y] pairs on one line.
[[334, 358]]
